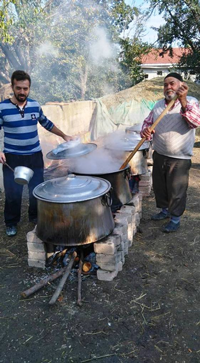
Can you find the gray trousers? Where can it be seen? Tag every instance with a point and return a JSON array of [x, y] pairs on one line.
[[170, 183]]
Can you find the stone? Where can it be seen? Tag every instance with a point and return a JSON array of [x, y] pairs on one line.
[[37, 255], [36, 263], [36, 247], [32, 237], [100, 257], [120, 266], [109, 245], [127, 209]]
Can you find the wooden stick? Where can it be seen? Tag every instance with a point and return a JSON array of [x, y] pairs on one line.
[[151, 129], [43, 282], [63, 280], [9, 167], [80, 267]]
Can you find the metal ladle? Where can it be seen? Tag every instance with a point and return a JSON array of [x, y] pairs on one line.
[[22, 174]]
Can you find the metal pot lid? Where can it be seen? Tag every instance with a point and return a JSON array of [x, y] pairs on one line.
[[128, 143], [71, 188], [74, 152]]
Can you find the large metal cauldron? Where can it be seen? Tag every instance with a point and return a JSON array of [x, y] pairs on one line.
[[138, 163], [74, 210], [119, 180]]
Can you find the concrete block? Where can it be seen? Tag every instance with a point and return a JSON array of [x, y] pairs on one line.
[[123, 218], [36, 247], [108, 246], [106, 275], [32, 237], [121, 246], [127, 209], [37, 255], [135, 201], [107, 259], [120, 266], [122, 257], [137, 219], [112, 266], [36, 263], [126, 244], [140, 196], [130, 232], [120, 227]]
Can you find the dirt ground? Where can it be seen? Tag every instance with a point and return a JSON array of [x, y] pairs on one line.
[[149, 313]]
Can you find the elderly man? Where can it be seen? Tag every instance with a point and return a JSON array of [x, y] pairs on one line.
[[19, 117], [173, 140]]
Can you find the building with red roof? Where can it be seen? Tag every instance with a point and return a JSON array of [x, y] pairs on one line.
[[159, 63]]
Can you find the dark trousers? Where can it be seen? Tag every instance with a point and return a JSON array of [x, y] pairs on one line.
[[170, 183], [13, 191]]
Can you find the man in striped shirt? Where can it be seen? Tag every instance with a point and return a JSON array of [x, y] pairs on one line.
[[173, 140], [19, 117]]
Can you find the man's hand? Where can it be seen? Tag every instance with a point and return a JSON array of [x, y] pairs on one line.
[[67, 138], [182, 94], [2, 157], [147, 133]]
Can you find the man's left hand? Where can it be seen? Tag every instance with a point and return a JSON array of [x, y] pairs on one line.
[[67, 138]]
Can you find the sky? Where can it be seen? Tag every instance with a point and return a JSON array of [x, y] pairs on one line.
[[155, 20]]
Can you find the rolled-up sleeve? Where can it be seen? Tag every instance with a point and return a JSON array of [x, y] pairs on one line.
[[44, 121], [191, 114], [148, 121]]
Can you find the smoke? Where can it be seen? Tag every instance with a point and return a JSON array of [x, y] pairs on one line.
[[101, 48], [47, 49]]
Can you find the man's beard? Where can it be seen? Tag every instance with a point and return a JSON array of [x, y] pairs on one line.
[[20, 98], [170, 96]]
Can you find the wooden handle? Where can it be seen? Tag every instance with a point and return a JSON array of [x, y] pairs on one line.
[[151, 129], [9, 167]]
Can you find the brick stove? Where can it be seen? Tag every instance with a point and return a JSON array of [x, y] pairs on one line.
[[110, 251]]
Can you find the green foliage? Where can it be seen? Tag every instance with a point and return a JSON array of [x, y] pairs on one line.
[[70, 47], [131, 54], [183, 25]]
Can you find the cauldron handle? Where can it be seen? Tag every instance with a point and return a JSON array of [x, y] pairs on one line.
[[107, 199], [127, 173]]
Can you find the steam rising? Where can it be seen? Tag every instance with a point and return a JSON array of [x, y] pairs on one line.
[[101, 48]]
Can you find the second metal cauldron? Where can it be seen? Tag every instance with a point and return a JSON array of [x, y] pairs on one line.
[[119, 180], [73, 210]]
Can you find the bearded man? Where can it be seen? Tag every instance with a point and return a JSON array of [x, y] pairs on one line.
[[173, 140], [19, 117]]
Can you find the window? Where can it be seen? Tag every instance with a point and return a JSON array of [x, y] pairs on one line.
[[159, 73], [146, 76]]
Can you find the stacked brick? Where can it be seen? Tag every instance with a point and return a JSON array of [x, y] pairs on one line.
[[145, 183], [111, 251], [36, 250]]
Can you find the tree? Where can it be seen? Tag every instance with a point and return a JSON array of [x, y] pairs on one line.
[[69, 47], [182, 25], [130, 60]]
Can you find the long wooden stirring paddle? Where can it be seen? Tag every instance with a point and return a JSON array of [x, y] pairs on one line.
[[151, 129]]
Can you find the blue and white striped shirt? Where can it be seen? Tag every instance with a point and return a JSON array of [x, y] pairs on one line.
[[20, 127]]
